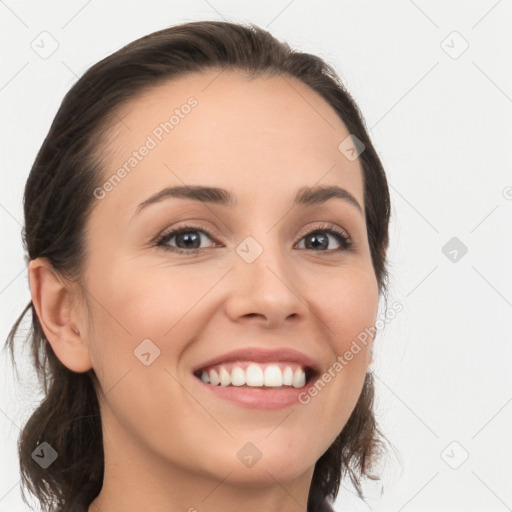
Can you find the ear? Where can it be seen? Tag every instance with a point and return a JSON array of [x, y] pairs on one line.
[[53, 302]]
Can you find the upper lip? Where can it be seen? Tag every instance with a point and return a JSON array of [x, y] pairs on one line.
[[261, 355]]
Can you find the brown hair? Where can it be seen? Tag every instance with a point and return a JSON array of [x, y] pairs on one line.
[[58, 200]]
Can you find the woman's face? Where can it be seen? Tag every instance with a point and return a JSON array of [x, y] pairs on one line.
[[258, 279]]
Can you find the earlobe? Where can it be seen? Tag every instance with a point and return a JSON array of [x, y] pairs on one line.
[[52, 301], [370, 355]]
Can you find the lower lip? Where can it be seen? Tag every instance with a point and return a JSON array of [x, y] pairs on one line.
[[256, 398]]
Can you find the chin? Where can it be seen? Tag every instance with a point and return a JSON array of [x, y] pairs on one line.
[[274, 464], [263, 473]]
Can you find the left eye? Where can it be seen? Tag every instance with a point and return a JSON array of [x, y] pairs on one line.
[[317, 238]]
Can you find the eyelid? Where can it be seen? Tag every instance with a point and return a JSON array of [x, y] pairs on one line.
[[326, 226], [187, 225]]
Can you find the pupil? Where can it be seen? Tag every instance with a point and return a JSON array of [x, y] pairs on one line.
[[317, 237], [186, 237]]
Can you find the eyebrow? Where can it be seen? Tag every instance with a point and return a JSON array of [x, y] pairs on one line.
[[214, 195]]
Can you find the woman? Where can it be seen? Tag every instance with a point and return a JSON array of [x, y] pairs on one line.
[[206, 225]]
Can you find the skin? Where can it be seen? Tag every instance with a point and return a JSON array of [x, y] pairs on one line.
[[170, 445]]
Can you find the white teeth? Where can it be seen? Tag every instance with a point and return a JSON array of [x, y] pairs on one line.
[[225, 377], [214, 377], [273, 376], [237, 376], [288, 376], [299, 378], [254, 376]]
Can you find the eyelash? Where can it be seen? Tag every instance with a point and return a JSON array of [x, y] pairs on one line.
[[344, 240]]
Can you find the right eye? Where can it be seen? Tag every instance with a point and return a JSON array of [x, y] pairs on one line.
[[187, 236]]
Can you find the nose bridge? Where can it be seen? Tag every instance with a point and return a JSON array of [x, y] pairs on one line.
[[262, 255], [264, 282]]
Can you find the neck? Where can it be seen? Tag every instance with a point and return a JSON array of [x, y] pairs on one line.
[[138, 478]]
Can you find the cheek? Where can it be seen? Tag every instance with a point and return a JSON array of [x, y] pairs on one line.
[[132, 305], [139, 319], [348, 306], [145, 301]]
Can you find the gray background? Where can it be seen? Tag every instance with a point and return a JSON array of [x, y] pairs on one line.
[[440, 117]]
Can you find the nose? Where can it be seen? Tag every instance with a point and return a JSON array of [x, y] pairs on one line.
[[265, 291]]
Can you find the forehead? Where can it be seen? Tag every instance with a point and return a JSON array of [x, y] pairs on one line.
[[222, 128]]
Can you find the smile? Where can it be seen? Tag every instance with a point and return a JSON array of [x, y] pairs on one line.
[[256, 375]]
